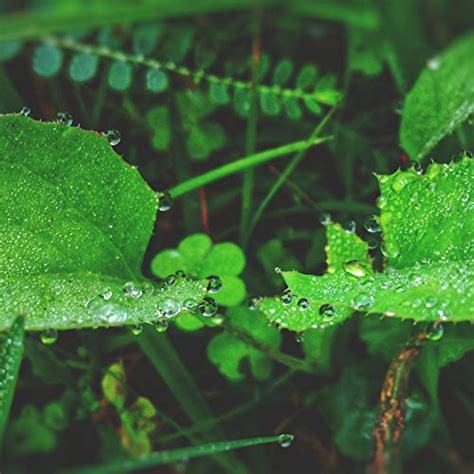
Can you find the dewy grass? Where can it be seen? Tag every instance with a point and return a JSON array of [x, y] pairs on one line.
[[218, 224]]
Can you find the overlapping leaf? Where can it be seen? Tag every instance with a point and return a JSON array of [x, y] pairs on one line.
[[428, 226], [75, 221]]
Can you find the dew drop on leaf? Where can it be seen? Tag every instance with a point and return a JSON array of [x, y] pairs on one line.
[[303, 304], [286, 297], [113, 136], [214, 284], [327, 310], [372, 225], [137, 329], [161, 326], [208, 307], [50, 336], [190, 304], [64, 117], [165, 201], [325, 218], [131, 290], [169, 308], [362, 301], [355, 268], [435, 331], [350, 226], [285, 440], [25, 111]]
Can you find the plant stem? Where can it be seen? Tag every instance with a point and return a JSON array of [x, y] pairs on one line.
[[242, 164], [282, 178]]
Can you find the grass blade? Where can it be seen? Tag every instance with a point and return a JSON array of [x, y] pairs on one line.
[[166, 457], [243, 164], [11, 354]]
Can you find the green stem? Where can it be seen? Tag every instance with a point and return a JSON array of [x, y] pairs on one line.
[[242, 164], [175, 455], [282, 178]]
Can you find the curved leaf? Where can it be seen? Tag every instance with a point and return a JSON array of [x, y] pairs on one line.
[[75, 222], [428, 226], [441, 99]]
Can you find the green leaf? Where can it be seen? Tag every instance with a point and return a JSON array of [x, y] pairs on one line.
[[282, 72], [146, 37], [70, 258], [456, 342], [441, 99], [47, 60], [113, 386], [156, 80], [219, 93], [120, 75], [306, 78], [9, 49], [158, 118], [197, 257], [270, 103], [11, 353], [226, 351], [428, 226], [83, 67]]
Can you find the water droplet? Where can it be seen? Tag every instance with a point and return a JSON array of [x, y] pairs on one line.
[[49, 336], [170, 280], [355, 268], [107, 294], [208, 307], [417, 166], [390, 249], [180, 274], [286, 297], [350, 226], [25, 111], [165, 201], [137, 329], [277, 270], [111, 313], [435, 331], [214, 284], [325, 218], [131, 290], [113, 136], [285, 440], [161, 326], [465, 197], [372, 244], [303, 304], [65, 118], [430, 302], [327, 310], [252, 303], [372, 225], [362, 301], [433, 63], [169, 308], [190, 304]]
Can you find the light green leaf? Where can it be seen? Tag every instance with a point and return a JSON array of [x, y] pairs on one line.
[[156, 80], [226, 351], [47, 60], [75, 222], [83, 67], [282, 72], [11, 353], [199, 258], [428, 226], [441, 99], [114, 387], [120, 75]]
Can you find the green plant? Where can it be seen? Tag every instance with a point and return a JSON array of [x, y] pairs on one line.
[[222, 222]]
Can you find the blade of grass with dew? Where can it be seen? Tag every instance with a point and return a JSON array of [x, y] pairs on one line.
[[168, 364], [288, 170], [242, 164], [176, 455], [11, 354]]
